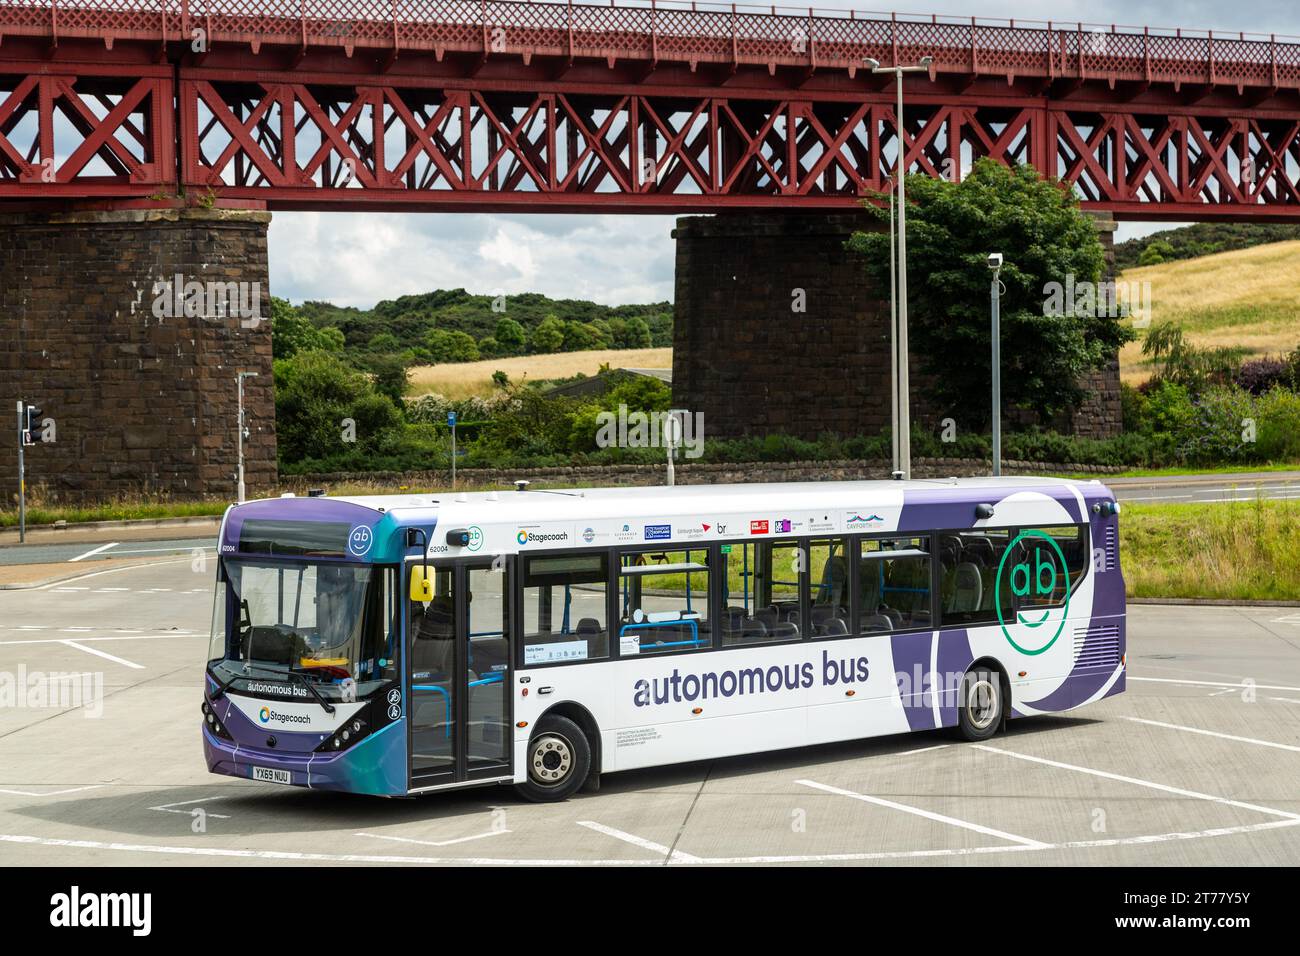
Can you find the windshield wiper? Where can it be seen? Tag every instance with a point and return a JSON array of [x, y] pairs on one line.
[[329, 708], [223, 687], [290, 672]]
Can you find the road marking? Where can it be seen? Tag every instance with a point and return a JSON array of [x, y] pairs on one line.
[[1288, 619], [927, 814], [72, 589], [102, 548], [169, 807], [1215, 733], [1166, 788], [397, 839], [1244, 685], [674, 856], [922, 750], [103, 654], [88, 640], [723, 861], [52, 793], [1285, 700], [109, 590], [175, 549]]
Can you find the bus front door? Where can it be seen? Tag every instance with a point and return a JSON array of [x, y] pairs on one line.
[[459, 656]]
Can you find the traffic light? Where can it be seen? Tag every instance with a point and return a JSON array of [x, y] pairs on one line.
[[33, 434]]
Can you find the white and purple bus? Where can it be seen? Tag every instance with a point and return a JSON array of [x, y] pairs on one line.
[[407, 644]]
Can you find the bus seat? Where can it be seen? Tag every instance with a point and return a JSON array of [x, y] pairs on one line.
[[967, 588], [834, 627], [877, 622], [587, 626]]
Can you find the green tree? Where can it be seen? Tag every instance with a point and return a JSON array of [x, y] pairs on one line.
[[1046, 240], [1157, 252], [320, 404], [510, 336], [629, 333], [448, 346], [292, 332], [383, 342], [584, 336], [547, 337]]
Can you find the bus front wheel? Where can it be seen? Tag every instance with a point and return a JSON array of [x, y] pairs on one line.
[[559, 759], [979, 712]]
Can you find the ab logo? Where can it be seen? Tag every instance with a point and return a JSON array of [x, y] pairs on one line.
[[1034, 580]]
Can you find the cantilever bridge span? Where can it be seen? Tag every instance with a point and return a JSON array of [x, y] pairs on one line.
[[584, 107]]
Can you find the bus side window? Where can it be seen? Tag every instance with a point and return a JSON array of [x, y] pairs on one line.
[[894, 580], [564, 608], [664, 602]]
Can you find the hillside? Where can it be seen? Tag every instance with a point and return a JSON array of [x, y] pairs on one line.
[[410, 318], [1248, 298], [1199, 239], [460, 380]]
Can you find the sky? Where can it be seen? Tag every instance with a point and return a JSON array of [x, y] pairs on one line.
[[360, 258]]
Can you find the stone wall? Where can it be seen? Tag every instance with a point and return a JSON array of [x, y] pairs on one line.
[[753, 365], [143, 401], [687, 473]]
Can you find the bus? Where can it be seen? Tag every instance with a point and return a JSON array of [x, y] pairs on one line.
[[541, 638]]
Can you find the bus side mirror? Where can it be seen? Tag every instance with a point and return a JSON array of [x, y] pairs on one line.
[[421, 584]]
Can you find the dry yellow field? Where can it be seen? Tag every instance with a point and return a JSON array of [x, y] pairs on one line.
[[466, 379], [1248, 298]]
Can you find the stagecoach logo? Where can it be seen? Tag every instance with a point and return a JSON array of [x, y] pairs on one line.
[[589, 535], [360, 539], [530, 536], [266, 715], [1034, 577]]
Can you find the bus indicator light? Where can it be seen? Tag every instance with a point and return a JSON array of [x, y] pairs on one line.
[[849, 693], [525, 692], [522, 723], [697, 711], [1024, 673]]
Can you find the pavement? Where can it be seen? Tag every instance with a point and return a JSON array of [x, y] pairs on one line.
[[1196, 764], [1207, 489]]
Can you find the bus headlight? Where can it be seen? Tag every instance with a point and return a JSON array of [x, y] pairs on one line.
[[348, 734], [213, 722]]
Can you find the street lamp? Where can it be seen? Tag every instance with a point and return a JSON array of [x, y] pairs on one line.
[[902, 386], [995, 296], [242, 430]]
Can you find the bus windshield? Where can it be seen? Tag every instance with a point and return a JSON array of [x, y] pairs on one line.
[[330, 623]]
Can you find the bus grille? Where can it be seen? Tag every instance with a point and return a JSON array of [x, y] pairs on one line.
[[1112, 549], [1096, 646]]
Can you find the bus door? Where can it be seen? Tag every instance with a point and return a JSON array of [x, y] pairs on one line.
[[458, 672]]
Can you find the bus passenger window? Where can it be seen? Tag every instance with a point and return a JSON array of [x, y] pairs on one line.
[[968, 571], [762, 600], [894, 581], [565, 610], [828, 572], [663, 602]]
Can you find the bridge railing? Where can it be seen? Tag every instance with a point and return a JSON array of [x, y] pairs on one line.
[[684, 31]]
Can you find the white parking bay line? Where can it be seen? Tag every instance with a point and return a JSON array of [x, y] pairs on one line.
[[103, 654], [676, 856], [1244, 685], [51, 793], [397, 839], [929, 815], [1215, 733], [93, 551], [1165, 788]]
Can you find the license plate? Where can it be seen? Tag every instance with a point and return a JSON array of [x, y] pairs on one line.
[[270, 775]]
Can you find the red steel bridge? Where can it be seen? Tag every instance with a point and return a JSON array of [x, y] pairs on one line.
[[622, 107]]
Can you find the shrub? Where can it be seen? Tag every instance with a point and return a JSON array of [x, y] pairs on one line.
[[1217, 431], [1259, 375], [1278, 425]]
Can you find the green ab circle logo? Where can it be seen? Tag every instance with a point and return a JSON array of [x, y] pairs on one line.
[[1037, 578]]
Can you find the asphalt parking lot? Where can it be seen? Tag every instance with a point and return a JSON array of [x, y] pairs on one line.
[[1198, 764]]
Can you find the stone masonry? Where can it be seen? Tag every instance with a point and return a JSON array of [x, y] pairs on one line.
[[142, 395], [753, 365]]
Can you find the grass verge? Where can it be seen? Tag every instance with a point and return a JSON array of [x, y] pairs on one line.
[[1243, 551]]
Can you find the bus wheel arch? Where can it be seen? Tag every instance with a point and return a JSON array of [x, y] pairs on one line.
[[570, 738], [984, 669]]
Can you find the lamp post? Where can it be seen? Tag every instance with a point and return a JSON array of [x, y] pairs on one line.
[[242, 430], [995, 299], [902, 386]]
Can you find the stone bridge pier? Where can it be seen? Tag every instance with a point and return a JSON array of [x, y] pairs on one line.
[[127, 328], [753, 364]]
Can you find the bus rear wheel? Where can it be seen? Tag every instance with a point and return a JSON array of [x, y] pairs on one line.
[[559, 759], [980, 710]]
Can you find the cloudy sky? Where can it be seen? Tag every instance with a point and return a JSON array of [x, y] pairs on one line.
[[360, 258]]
